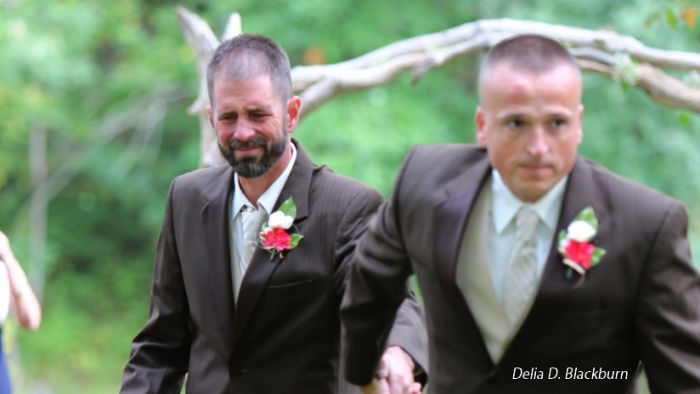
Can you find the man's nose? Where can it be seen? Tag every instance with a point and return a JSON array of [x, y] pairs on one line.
[[243, 131], [538, 144]]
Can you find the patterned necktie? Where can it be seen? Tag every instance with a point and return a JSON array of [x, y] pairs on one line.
[[251, 219], [521, 276]]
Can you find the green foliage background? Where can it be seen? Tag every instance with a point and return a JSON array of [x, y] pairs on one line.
[[84, 70]]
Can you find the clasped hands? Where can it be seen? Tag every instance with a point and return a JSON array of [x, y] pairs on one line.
[[394, 375]]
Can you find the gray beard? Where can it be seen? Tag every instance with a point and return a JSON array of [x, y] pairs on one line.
[[248, 167]]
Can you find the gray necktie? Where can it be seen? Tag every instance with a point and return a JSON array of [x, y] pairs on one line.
[[521, 276], [251, 219]]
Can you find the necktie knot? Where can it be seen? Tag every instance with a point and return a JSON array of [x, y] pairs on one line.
[[252, 221]]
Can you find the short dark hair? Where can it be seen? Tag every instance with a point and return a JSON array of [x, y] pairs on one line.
[[529, 52], [250, 55]]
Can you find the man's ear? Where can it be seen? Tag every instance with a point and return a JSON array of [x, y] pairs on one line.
[[480, 121], [211, 117], [293, 112], [580, 123]]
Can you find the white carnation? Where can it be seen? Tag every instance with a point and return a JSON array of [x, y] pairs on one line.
[[279, 219], [580, 231]]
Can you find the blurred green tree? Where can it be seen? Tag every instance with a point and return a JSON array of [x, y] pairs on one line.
[[110, 83]]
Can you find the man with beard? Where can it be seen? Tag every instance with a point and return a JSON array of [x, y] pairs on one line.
[[252, 256]]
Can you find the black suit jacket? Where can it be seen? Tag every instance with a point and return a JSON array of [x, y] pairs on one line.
[[282, 336], [642, 302]]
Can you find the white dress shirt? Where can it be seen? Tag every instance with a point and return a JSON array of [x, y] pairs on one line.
[[502, 233], [240, 202]]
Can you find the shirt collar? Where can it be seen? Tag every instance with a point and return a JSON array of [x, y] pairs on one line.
[[505, 204], [269, 197]]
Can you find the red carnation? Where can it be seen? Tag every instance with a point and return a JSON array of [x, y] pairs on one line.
[[580, 253], [277, 238]]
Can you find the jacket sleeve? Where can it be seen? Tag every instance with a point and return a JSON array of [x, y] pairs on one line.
[[668, 310], [410, 333], [376, 290], [160, 351]]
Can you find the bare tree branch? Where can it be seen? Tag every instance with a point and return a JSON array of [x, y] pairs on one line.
[[200, 37], [145, 116], [619, 57], [38, 209], [112, 126], [434, 50], [660, 86]]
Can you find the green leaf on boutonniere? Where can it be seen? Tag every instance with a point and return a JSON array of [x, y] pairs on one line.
[[588, 216], [288, 208], [562, 237], [294, 240], [598, 254]]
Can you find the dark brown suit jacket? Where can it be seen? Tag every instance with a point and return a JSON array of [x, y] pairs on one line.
[[283, 335], [641, 303]]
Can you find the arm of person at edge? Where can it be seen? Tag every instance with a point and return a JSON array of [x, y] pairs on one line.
[[23, 301], [376, 290], [668, 321], [160, 351], [401, 363]]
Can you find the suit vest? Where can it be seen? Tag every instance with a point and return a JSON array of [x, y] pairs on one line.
[[476, 283]]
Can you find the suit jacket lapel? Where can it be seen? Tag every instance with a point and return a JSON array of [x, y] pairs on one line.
[[215, 214], [555, 288], [261, 267], [450, 220]]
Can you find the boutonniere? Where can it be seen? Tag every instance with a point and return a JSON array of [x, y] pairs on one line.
[[575, 243], [273, 234]]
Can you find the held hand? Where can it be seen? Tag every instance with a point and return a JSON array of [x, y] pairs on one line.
[[395, 374], [377, 386]]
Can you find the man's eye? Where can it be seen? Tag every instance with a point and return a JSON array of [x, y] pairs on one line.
[[516, 123], [557, 122]]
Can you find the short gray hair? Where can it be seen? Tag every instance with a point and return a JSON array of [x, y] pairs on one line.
[[247, 56]]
